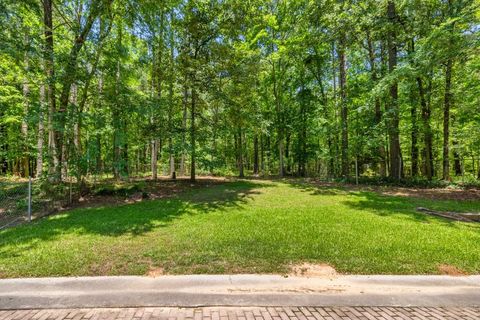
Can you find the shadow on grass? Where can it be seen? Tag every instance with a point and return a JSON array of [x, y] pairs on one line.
[[382, 205], [132, 219]]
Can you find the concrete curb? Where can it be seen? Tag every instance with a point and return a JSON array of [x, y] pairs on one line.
[[239, 290]]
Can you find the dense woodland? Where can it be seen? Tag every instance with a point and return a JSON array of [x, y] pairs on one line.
[[326, 88]]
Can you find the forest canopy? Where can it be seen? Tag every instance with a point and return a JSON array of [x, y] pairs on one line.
[[324, 88]]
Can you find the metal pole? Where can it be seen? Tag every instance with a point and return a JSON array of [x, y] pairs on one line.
[[29, 199]]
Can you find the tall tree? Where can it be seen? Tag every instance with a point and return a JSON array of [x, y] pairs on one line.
[[396, 162]]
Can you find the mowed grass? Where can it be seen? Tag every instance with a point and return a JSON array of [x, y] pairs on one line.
[[246, 227]]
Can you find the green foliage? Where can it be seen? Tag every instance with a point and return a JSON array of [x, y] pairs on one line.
[[118, 189], [239, 87]]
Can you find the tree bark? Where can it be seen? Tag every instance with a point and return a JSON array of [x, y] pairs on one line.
[[478, 173], [262, 154], [241, 173], [26, 106], [171, 150], [41, 132], [116, 117], [446, 119], [457, 163], [76, 126], [255, 155], [302, 135], [3, 145], [157, 79], [336, 139], [414, 117], [287, 150], [278, 109], [378, 108], [192, 136], [344, 106], [184, 128], [414, 137], [427, 131], [54, 162], [394, 131], [98, 142], [154, 158]]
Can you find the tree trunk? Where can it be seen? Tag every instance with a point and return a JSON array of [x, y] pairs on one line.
[[64, 161], [157, 79], [125, 162], [427, 131], [378, 109], [171, 150], [262, 155], [287, 150], [327, 114], [336, 139], [446, 119], [98, 141], [117, 143], [76, 130], [3, 145], [81, 171], [241, 173], [414, 137], [302, 165], [457, 163], [255, 154], [394, 131], [192, 136], [344, 107], [26, 105], [69, 75], [414, 117], [302, 150], [54, 162], [478, 173], [278, 109], [41, 132], [184, 127], [154, 158]]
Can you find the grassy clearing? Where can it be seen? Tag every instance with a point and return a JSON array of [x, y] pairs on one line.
[[246, 227]]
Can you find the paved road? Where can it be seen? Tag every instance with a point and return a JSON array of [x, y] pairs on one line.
[[245, 313]]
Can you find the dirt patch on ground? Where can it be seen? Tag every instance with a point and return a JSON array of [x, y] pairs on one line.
[[159, 189], [450, 270], [448, 193], [434, 194], [312, 270], [155, 272]]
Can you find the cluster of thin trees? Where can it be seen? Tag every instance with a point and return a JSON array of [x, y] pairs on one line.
[[325, 88]]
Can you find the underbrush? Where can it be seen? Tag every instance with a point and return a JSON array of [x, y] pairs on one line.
[[415, 182]]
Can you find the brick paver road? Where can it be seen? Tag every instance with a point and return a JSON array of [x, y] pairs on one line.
[[244, 313]]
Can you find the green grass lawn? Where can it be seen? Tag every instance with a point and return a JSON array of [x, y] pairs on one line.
[[246, 227]]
